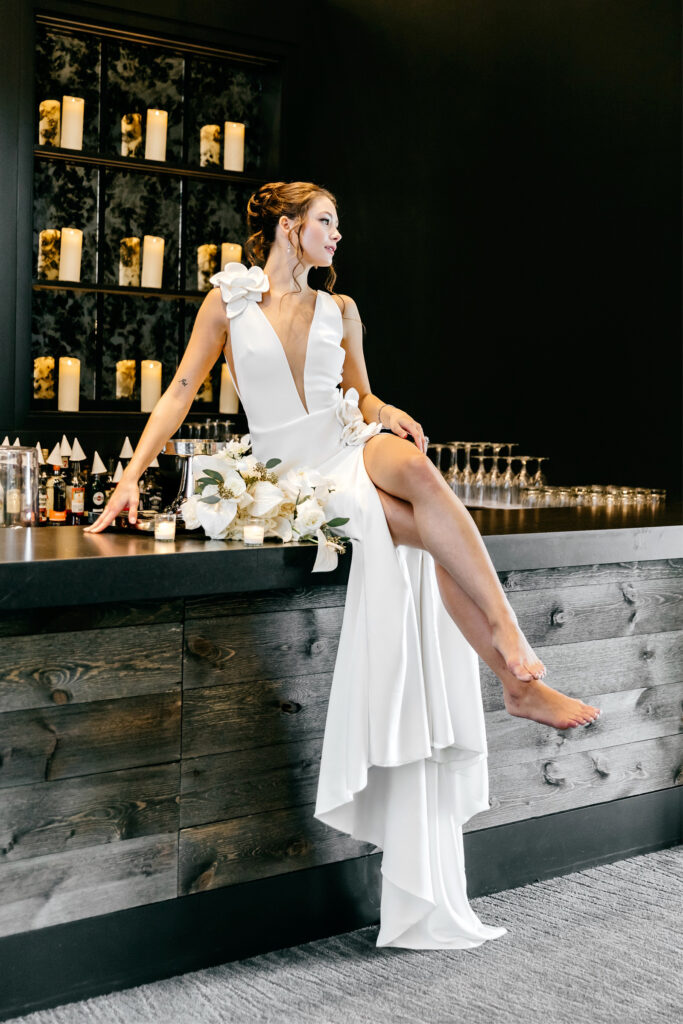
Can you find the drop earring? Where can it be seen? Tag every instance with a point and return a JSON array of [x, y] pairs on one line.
[[289, 248]]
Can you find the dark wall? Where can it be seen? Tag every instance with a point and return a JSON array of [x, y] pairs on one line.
[[508, 178], [508, 186]]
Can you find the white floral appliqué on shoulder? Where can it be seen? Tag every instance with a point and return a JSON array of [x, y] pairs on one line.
[[240, 286]]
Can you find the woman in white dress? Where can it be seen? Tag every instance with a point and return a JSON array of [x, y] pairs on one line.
[[404, 752]]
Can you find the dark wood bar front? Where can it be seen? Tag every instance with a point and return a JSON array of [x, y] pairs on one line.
[[162, 708]]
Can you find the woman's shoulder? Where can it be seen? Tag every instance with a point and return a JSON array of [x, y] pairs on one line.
[[347, 307]]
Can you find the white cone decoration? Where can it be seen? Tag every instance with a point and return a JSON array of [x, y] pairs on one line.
[[5, 443], [55, 457], [97, 465], [41, 460], [119, 472], [17, 443], [127, 450], [65, 447], [77, 453]]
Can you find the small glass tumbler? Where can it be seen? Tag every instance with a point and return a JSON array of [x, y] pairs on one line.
[[164, 526], [253, 531]]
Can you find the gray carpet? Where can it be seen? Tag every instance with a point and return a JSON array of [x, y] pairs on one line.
[[601, 946]]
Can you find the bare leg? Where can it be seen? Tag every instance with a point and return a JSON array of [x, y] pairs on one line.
[[450, 534], [531, 699]]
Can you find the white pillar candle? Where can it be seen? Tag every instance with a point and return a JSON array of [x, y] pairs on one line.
[[233, 153], [152, 261], [229, 400], [69, 384], [50, 113], [230, 253], [72, 122], [70, 254], [209, 145], [155, 140], [150, 387]]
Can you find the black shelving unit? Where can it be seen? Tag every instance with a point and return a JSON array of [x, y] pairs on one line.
[[186, 179]]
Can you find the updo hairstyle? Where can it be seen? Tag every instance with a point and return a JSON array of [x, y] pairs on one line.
[[281, 199]]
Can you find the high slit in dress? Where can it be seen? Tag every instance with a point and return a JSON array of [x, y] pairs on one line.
[[404, 756]]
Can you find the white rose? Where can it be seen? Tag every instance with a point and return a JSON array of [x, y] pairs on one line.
[[309, 516]]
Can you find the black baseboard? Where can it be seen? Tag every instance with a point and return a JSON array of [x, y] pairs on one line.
[[51, 966]]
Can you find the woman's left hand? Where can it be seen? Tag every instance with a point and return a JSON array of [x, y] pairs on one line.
[[400, 423]]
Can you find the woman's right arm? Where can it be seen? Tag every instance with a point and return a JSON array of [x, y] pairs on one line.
[[205, 344]]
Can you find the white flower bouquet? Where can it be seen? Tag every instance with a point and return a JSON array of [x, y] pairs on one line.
[[232, 486]]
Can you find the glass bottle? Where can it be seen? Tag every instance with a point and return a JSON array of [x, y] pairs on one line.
[[76, 505], [57, 507]]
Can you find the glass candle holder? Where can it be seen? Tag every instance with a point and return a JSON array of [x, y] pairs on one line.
[[164, 526], [253, 531]]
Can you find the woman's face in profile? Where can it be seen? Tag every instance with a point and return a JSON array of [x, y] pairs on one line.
[[320, 233]]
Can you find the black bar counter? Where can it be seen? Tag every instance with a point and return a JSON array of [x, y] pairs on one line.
[[48, 566], [162, 710]]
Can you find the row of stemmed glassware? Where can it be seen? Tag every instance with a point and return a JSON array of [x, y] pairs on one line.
[[484, 485], [504, 488]]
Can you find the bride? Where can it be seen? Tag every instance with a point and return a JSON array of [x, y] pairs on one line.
[[296, 228]]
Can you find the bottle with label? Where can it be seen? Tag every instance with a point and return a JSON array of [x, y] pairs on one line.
[[42, 493], [77, 487], [12, 496], [57, 510], [96, 488]]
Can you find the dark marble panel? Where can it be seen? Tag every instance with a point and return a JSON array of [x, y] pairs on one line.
[[216, 213], [137, 205], [63, 324], [224, 90], [65, 196], [138, 327], [138, 78], [206, 399], [68, 64]]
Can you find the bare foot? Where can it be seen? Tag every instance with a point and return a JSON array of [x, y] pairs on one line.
[[514, 648], [542, 704]]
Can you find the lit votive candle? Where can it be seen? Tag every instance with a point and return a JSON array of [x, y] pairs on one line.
[[152, 261], [155, 138], [253, 532], [72, 122], [230, 253], [70, 254], [164, 526], [233, 153], [69, 384]]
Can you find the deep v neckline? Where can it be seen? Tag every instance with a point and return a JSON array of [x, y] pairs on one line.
[[284, 353]]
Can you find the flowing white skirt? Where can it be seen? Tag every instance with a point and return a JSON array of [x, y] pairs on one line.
[[404, 758]]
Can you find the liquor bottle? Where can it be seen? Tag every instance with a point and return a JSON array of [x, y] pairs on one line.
[[77, 487], [96, 488], [57, 510], [42, 493], [12, 496], [2, 504]]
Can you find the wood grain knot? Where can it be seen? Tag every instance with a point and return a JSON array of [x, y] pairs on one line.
[[318, 646], [601, 768], [552, 780], [648, 655], [290, 707], [205, 878], [203, 648], [558, 617], [60, 696], [630, 593]]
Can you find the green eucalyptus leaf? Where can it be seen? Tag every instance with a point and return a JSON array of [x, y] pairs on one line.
[[273, 462], [212, 499], [214, 475], [339, 521]]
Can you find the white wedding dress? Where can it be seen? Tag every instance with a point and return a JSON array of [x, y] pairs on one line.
[[404, 757]]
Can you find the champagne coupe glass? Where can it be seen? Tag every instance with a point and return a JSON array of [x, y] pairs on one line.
[[467, 476], [494, 475], [452, 477], [538, 479], [509, 487], [436, 448], [479, 483]]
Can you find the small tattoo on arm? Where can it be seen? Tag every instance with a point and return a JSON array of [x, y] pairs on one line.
[[183, 381]]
